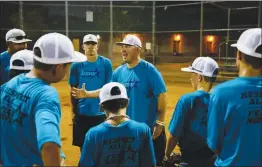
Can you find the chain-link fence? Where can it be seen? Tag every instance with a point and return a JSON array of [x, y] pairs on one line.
[[171, 31]]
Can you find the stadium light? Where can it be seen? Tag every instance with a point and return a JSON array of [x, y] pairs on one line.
[[210, 38], [98, 36], [177, 37]]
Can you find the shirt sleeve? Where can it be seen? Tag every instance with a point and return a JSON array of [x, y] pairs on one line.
[[109, 71], [156, 81], [114, 76], [215, 129], [147, 156], [73, 77], [62, 154], [86, 158], [177, 122], [47, 119]]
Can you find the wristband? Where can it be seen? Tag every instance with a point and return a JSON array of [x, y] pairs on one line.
[[160, 123]]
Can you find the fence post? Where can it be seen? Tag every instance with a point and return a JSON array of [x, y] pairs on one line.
[[111, 31], [259, 23], [66, 17], [153, 30], [228, 27], [201, 28], [21, 16]]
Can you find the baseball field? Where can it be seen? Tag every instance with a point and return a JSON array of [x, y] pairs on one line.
[[177, 84]]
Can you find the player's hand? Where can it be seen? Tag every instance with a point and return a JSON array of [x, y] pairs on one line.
[[79, 93], [63, 162], [157, 130]]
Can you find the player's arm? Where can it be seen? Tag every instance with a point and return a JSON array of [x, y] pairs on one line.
[[158, 88], [47, 122], [162, 103], [176, 125], [79, 93], [161, 112], [50, 153], [48, 135], [170, 145]]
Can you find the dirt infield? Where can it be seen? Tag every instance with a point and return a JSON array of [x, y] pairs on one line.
[[177, 84]]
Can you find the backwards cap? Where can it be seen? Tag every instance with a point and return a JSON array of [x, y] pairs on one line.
[[26, 57], [112, 91], [56, 48], [204, 66], [250, 42]]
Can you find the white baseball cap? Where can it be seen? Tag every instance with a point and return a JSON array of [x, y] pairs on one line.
[[16, 36], [131, 40], [56, 48], [249, 42], [25, 56], [205, 66], [112, 91], [81, 56], [90, 38]]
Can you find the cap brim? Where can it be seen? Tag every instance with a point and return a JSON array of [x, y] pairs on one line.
[[90, 41], [234, 45], [122, 43], [113, 98], [78, 57], [22, 41], [27, 67], [187, 69]]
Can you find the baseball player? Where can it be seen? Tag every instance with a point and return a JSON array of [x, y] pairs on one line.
[[146, 90], [30, 110], [189, 121], [119, 141], [235, 109], [91, 75], [16, 40]]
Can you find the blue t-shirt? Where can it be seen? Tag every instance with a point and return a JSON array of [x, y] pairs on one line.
[[30, 116], [189, 123], [95, 75], [234, 125], [127, 145], [4, 66], [143, 83]]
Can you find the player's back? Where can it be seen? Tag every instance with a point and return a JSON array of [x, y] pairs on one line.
[[127, 145], [192, 141], [21, 97], [241, 108]]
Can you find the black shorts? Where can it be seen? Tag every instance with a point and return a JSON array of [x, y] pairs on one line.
[[81, 124]]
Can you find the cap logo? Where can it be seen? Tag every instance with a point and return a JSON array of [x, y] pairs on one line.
[[115, 91], [90, 37]]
